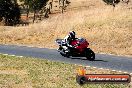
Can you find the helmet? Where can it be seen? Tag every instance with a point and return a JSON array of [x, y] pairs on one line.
[[72, 34]]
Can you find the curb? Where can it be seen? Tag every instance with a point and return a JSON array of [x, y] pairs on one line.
[[11, 55], [106, 69]]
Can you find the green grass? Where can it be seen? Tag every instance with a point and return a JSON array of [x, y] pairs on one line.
[[27, 72]]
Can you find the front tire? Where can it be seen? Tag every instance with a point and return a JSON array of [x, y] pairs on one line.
[[90, 55]]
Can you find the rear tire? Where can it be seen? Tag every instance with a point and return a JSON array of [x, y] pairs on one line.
[[90, 55]]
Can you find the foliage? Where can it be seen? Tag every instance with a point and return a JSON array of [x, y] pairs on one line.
[[10, 12], [111, 1], [34, 4]]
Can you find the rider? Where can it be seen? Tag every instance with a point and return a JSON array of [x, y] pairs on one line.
[[70, 37]]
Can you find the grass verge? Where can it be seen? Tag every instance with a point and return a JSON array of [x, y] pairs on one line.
[[27, 72]]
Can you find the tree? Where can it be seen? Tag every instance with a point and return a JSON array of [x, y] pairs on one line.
[[34, 5], [37, 5], [10, 12], [112, 2], [27, 4]]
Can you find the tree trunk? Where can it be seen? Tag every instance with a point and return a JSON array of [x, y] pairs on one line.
[[34, 16], [63, 3], [27, 11]]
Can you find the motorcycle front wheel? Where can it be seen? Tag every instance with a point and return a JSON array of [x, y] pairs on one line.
[[90, 55]]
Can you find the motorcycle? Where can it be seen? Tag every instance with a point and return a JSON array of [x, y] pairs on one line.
[[79, 49]]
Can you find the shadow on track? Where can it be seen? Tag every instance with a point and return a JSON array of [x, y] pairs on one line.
[[87, 59], [101, 60]]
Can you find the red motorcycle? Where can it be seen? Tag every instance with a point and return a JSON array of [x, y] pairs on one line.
[[80, 49]]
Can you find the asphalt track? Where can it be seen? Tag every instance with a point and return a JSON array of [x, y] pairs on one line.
[[120, 63]]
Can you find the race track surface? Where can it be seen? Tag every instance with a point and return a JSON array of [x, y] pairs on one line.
[[102, 60]]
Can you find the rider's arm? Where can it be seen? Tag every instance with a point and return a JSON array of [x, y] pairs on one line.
[[66, 40]]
